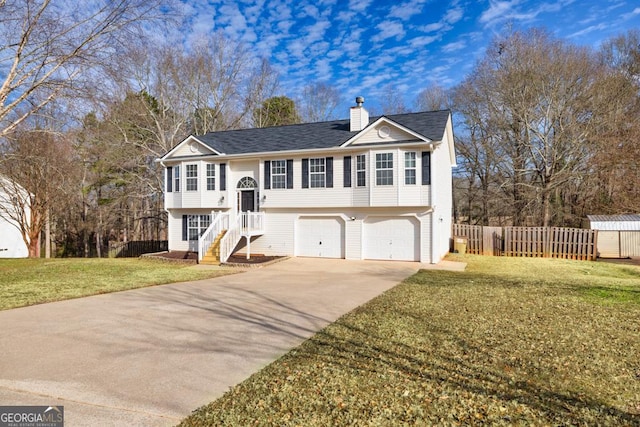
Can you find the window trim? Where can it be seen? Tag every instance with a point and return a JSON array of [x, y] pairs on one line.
[[381, 180], [361, 170], [211, 177], [281, 166], [202, 222], [176, 179], [191, 181], [413, 168], [319, 162]]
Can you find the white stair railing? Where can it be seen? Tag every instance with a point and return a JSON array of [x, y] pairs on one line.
[[231, 239], [219, 222]]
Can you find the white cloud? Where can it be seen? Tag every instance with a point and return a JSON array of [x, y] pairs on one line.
[[422, 41], [498, 11], [588, 30], [404, 11], [359, 5], [389, 29], [453, 15], [452, 47]]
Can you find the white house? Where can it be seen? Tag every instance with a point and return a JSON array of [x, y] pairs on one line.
[[12, 244], [362, 188]]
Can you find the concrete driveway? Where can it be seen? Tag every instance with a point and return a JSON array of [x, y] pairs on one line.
[[150, 356]]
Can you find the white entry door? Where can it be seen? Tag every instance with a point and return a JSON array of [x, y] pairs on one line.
[[320, 237], [392, 238]]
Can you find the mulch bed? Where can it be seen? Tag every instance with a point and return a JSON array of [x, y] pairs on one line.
[[192, 257], [253, 259], [178, 255]]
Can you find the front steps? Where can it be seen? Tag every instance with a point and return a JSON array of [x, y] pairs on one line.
[[212, 257]]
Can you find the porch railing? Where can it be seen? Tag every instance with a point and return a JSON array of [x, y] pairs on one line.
[[247, 224], [220, 221], [252, 223]]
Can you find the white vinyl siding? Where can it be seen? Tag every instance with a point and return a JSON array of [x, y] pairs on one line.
[[384, 169], [410, 168], [317, 170], [211, 177]]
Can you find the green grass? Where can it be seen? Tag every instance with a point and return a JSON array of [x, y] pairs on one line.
[[34, 281], [510, 341]]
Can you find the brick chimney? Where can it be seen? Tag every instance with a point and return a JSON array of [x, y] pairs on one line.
[[359, 116]]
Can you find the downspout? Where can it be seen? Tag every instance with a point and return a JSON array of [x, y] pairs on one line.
[[164, 207], [433, 209]]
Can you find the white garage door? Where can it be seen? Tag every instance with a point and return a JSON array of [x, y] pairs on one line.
[[320, 237], [392, 238]]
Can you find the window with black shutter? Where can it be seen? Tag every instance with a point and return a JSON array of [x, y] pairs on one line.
[[347, 171], [426, 168]]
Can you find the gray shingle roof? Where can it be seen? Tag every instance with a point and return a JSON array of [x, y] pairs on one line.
[[430, 124]]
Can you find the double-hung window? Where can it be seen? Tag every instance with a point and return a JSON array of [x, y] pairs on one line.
[[384, 168], [278, 174], [317, 171], [192, 177], [361, 170], [211, 176], [196, 225], [176, 178], [410, 168]]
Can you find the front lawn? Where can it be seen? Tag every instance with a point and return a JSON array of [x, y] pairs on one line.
[[34, 281], [510, 341]]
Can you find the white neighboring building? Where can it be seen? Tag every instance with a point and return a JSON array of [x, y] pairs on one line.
[[356, 189], [11, 243]]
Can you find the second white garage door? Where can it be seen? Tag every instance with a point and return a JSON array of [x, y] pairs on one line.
[[392, 238], [320, 237]]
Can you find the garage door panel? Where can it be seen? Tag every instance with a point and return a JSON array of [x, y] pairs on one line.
[[320, 237], [392, 238]]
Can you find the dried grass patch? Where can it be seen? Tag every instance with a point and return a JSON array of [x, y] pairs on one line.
[[508, 342]]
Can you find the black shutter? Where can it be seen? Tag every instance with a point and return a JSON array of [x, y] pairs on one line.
[[290, 173], [169, 179], [305, 173], [223, 176], [426, 168], [184, 227], [267, 174], [329, 169], [347, 171]]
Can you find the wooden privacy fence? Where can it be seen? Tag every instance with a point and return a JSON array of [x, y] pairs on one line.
[[138, 247], [548, 242]]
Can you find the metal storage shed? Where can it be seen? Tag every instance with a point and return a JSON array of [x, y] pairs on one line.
[[618, 235], [614, 222]]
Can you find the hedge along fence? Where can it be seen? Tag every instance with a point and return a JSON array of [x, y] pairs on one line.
[[547, 242]]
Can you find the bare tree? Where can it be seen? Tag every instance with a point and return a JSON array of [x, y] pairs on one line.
[[433, 97], [49, 48], [319, 102], [392, 101], [539, 122], [36, 165]]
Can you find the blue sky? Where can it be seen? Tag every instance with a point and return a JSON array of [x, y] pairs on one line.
[[360, 46]]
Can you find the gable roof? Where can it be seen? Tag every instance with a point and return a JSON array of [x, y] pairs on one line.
[[308, 136]]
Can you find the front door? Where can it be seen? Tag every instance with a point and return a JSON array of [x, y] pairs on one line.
[[247, 201]]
